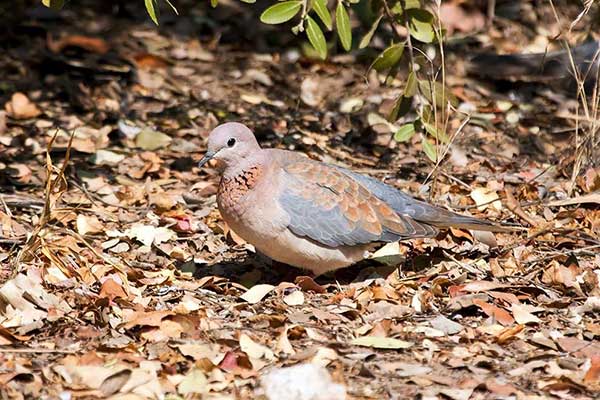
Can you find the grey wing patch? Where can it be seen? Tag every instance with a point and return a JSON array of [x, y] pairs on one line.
[[420, 211], [327, 226]]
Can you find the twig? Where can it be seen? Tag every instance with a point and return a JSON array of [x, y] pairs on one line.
[[51, 185], [396, 28], [20, 201], [12, 240], [35, 350], [584, 250]]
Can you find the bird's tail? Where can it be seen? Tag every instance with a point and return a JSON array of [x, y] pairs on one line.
[[441, 218], [464, 222]]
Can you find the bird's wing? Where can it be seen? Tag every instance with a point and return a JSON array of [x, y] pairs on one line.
[[334, 209], [420, 211]]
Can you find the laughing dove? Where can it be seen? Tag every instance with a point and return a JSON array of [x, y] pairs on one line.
[[312, 215]]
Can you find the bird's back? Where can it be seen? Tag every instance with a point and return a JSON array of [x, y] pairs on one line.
[[430, 217]]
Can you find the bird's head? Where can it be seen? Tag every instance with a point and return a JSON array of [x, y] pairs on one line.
[[229, 144]]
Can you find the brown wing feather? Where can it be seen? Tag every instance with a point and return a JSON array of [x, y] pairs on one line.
[[332, 207]]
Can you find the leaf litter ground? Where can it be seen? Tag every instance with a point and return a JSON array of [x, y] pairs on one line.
[[120, 279]]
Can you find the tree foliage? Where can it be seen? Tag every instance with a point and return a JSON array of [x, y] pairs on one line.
[[413, 26]]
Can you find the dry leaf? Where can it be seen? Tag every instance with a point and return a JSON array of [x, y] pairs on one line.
[[381, 342], [499, 314], [20, 107], [88, 224], [522, 314], [91, 44], [194, 382], [256, 293], [295, 298], [254, 350], [484, 198]]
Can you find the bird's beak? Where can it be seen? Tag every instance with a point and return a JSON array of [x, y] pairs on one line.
[[207, 157]]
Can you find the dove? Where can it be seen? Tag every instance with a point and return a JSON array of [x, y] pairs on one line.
[[312, 215]]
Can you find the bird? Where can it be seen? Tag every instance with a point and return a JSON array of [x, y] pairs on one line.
[[312, 215]]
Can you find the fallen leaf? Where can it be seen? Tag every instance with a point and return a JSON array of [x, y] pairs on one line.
[[20, 107], [91, 44], [149, 234], [149, 61], [389, 254], [306, 283], [484, 198], [256, 293], [25, 302], [381, 342], [145, 318], [283, 343], [194, 382], [522, 314], [106, 157], [509, 333], [311, 92], [88, 224], [403, 369], [111, 290], [497, 313], [253, 349], [115, 382], [351, 105], [592, 375], [151, 140], [295, 298], [446, 325]]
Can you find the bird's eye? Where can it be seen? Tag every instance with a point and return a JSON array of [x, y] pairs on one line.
[[231, 142]]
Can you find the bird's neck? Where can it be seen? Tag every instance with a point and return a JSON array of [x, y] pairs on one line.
[[235, 185], [243, 167]]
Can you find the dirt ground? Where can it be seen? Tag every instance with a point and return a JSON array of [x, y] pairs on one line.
[[120, 279]]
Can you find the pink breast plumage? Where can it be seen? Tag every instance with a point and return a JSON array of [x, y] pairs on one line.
[[233, 190]]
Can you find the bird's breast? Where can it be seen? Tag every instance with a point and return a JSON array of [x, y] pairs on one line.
[[234, 191]]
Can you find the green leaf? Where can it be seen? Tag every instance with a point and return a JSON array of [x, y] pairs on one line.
[[315, 37], [342, 20], [369, 35], [437, 93], [429, 149], [320, 7], [420, 24], [400, 6], [404, 133], [381, 342], [151, 8], [389, 57], [214, 3], [248, 1], [54, 4], [280, 12], [411, 85], [434, 132], [401, 108]]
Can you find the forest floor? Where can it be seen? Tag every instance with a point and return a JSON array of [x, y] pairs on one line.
[[119, 278]]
